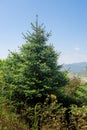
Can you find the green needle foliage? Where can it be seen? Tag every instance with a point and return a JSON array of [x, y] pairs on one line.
[[32, 84], [33, 72]]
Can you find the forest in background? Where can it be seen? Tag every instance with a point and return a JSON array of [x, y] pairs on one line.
[[35, 93]]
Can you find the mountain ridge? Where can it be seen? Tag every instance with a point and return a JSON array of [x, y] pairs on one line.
[[76, 68]]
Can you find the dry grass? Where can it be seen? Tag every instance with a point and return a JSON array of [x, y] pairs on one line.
[[11, 121]]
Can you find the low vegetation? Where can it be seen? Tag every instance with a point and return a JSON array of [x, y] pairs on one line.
[[35, 94]]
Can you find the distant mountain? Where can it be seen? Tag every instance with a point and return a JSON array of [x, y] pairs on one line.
[[77, 68]]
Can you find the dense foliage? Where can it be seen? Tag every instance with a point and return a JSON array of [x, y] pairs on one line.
[[35, 94], [33, 72]]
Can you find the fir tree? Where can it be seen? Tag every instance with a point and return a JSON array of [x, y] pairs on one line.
[[35, 70]]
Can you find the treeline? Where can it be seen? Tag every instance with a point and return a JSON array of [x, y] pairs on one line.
[[35, 93]]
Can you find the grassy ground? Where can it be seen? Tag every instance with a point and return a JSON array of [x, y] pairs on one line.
[[10, 121]]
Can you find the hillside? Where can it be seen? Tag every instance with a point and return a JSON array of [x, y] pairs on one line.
[[77, 68]]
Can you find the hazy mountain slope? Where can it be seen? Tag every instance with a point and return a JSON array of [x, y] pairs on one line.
[[77, 68]]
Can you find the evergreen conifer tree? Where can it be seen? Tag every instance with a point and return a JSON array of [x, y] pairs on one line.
[[35, 71]]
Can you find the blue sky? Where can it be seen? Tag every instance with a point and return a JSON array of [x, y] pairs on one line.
[[67, 19]]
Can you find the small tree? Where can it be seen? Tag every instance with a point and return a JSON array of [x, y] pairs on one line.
[[34, 71]]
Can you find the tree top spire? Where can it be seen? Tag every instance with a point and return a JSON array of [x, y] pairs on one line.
[[36, 21]]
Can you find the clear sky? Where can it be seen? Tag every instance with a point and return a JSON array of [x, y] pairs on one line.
[[67, 19]]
